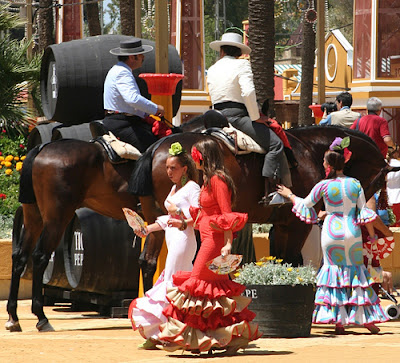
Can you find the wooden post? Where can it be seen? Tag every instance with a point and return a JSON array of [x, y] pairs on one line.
[[321, 50], [138, 18], [162, 41]]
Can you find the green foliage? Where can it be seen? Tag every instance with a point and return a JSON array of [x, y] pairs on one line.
[[271, 271], [11, 145], [340, 16], [18, 74]]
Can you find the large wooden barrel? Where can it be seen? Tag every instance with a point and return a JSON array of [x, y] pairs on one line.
[[72, 77], [80, 132], [41, 134], [98, 254]]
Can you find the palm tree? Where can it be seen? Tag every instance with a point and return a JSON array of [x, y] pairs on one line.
[[127, 13], [262, 43], [307, 66], [93, 18], [45, 24], [18, 74]]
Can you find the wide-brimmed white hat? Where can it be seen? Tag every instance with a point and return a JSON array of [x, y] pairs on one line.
[[132, 46], [233, 39]]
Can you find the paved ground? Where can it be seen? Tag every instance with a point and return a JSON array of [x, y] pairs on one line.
[[88, 337]]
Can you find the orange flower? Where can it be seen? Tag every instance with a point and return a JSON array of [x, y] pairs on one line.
[[18, 166], [8, 171], [9, 158]]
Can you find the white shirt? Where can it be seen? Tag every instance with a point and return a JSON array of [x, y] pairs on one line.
[[231, 79], [122, 94], [393, 184]]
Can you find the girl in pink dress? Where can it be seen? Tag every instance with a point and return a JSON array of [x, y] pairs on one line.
[[207, 310]]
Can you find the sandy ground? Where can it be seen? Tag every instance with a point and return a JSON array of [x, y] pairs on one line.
[[88, 337]]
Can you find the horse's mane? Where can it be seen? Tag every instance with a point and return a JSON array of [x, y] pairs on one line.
[[315, 128]]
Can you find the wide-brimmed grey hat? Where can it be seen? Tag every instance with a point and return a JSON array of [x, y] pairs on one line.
[[233, 39], [132, 46]]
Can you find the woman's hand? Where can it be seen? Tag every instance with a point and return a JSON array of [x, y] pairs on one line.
[[228, 237], [175, 222], [284, 191], [226, 250], [172, 208]]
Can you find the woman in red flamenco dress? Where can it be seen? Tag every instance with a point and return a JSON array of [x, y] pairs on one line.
[[206, 310]]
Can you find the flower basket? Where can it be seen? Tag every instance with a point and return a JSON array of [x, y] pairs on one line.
[[282, 296]]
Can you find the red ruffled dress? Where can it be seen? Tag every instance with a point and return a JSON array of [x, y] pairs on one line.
[[207, 310]]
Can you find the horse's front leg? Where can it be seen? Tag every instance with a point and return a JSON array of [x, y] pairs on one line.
[[148, 258]]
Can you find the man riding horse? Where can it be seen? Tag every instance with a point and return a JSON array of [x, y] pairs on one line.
[[125, 108], [232, 91]]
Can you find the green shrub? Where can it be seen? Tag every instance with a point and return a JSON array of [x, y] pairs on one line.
[[270, 271], [12, 154]]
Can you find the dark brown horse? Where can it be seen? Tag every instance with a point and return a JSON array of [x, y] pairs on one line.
[[68, 174]]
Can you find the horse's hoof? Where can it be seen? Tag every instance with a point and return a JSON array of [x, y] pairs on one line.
[[44, 326], [13, 326]]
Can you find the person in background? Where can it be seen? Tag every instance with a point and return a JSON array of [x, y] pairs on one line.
[[393, 185], [206, 309], [343, 116], [125, 108], [232, 91], [375, 126], [146, 312], [344, 287], [327, 108]]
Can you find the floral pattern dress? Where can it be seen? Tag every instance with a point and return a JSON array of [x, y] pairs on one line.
[[207, 310], [146, 313], [344, 294]]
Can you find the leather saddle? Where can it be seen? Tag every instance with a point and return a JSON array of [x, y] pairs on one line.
[[98, 129]]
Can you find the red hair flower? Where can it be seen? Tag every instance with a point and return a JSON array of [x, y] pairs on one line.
[[196, 155], [347, 154]]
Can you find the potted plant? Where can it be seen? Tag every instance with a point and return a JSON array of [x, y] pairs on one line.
[[282, 296]]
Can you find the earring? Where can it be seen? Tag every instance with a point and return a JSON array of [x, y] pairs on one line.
[[183, 180]]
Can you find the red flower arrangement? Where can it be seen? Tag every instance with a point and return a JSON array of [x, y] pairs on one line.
[[196, 155]]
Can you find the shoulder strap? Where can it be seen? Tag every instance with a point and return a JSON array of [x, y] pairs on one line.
[[358, 122]]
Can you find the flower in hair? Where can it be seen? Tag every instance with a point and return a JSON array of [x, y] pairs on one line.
[[340, 144], [176, 149], [196, 155]]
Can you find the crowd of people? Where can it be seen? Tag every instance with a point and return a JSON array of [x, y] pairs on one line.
[[191, 307]]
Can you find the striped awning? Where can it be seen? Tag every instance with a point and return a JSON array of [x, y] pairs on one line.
[[279, 68]]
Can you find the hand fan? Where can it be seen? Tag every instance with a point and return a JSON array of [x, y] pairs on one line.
[[224, 265], [136, 222], [381, 248]]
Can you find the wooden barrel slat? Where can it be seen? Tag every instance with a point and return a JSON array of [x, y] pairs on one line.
[[98, 254]]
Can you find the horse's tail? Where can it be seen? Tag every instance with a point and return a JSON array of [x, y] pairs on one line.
[[26, 192], [141, 181]]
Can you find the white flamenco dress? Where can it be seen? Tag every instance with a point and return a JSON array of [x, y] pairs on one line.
[[146, 313]]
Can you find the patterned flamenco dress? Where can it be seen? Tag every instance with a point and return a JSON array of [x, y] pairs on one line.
[[146, 313], [344, 295], [207, 310]]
